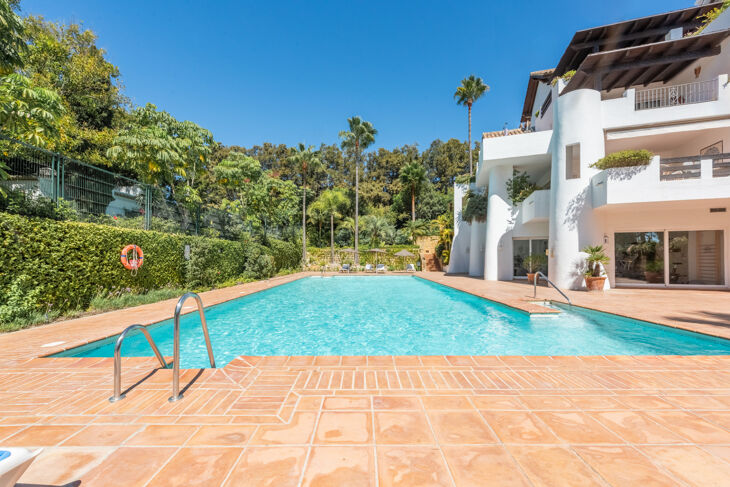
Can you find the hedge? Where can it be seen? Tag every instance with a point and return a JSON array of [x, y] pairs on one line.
[[624, 158], [319, 256], [60, 266]]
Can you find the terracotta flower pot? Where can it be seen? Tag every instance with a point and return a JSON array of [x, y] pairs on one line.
[[595, 283], [531, 277]]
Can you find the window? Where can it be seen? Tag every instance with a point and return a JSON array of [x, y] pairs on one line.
[[521, 248], [639, 257], [572, 161]]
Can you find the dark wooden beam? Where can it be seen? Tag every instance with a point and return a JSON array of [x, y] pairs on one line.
[[660, 31], [648, 74], [644, 63]]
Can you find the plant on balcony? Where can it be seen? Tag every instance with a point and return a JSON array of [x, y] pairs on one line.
[[533, 263], [519, 187], [707, 18], [475, 207], [624, 158], [594, 260], [565, 77]]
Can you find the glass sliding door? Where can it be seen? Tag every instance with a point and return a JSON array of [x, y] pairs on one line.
[[693, 258], [639, 257], [696, 258], [521, 248]]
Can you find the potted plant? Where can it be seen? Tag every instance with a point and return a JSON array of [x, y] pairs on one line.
[[596, 257], [533, 263], [654, 272]]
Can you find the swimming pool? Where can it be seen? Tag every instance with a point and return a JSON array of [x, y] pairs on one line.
[[398, 315]]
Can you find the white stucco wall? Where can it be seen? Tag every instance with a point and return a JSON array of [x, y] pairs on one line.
[[459, 258]]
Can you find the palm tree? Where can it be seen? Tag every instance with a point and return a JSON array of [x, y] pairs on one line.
[[413, 177], [347, 224], [357, 139], [377, 228], [417, 228], [471, 89], [304, 159], [333, 203]]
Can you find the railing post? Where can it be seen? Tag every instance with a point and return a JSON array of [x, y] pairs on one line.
[[147, 208], [54, 177]]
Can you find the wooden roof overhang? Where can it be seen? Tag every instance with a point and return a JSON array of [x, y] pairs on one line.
[[630, 33], [641, 65], [535, 78]]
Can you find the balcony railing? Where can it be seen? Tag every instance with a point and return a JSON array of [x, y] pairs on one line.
[[669, 96], [690, 167]]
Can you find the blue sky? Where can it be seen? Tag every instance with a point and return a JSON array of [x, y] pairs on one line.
[[288, 72]]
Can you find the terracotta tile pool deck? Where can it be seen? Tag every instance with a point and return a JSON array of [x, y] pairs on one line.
[[381, 421]]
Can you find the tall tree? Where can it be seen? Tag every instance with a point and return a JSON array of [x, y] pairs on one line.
[[12, 44], [304, 159], [357, 139], [471, 89], [28, 112], [332, 203], [413, 177]]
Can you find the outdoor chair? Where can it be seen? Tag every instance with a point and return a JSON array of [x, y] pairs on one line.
[[410, 268], [369, 268], [345, 268], [380, 268]]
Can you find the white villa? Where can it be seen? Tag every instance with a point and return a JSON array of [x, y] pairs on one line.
[[645, 84]]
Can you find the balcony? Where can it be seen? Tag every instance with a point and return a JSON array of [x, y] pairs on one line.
[[663, 180], [519, 149], [647, 109], [672, 96], [536, 207]]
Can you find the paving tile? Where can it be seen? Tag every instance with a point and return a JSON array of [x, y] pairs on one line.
[[691, 427], [162, 435], [623, 465], [690, 464], [519, 427], [197, 467], [279, 466], [137, 464], [411, 466], [554, 466], [341, 402], [61, 466], [497, 403], [297, 432], [396, 402], [577, 427], [546, 402], [460, 427], [222, 435], [636, 427], [472, 465], [402, 428], [344, 428], [102, 435], [447, 402], [39, 435], [351, 466]]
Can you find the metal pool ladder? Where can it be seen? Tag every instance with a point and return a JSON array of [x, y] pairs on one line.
[[538, 275], [176, 395]]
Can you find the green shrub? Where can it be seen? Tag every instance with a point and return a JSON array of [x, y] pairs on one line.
[[519, 187], [287, 255], [53, 267], [624, 158], [475, 207]]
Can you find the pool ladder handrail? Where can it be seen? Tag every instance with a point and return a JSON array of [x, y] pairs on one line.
[[118, 396], [538, 275], [176, 395]]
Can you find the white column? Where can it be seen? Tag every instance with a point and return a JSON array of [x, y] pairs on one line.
[[498, 246], [573, 222], [476, 249]]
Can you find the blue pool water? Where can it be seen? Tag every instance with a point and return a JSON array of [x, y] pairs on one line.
[[399, 315]]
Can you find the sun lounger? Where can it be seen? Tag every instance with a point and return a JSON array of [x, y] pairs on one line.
[[13, 463], [345, 268], [380, 268], [369, 268], [410, 268]]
